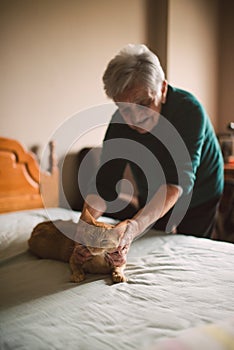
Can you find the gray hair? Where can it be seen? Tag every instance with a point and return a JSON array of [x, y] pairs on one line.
[[133, 65]]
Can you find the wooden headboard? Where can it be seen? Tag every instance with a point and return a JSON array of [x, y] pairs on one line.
[[21, 183]]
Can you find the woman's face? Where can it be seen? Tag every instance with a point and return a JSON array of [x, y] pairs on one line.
[[140, 108]]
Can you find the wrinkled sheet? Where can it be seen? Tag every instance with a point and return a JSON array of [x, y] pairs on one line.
[[175, 283]]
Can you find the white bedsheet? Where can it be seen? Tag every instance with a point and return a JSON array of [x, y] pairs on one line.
[[175, 282]]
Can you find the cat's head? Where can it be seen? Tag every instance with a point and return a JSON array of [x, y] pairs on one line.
[[99, 237]]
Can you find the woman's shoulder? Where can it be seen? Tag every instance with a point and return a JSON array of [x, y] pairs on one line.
[[182, 96]]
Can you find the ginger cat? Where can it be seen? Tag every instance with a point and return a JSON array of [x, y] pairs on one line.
[[48, 242]]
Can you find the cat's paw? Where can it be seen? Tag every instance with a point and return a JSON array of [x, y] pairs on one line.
[[118, 277], [77, 277]]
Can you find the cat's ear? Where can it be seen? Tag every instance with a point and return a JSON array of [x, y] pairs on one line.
[[87, 217]]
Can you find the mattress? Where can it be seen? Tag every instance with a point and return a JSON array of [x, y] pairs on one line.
[[176, 284]]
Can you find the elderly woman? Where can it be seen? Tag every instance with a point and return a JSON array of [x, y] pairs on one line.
[[166, 137]]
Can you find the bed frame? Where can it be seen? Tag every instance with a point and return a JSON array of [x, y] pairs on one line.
[[21, 182]]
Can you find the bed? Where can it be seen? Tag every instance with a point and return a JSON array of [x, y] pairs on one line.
[[179, 293]]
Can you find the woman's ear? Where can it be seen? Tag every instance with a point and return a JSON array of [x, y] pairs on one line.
[[164, 91]]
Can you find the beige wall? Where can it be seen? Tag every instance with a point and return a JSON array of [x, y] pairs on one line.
[[53, 54], [226, 67], [192, 61]]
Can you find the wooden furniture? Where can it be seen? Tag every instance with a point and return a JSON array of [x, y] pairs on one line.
[[22, 185]]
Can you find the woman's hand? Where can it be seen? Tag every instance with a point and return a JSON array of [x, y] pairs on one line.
[[119, 257], [81, 254], [132, 231]]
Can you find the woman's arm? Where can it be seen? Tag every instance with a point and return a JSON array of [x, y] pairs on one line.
[[159, 205], [164, 199], [95, 205]]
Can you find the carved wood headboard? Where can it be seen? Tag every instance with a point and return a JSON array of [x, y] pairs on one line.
[[21, 183]]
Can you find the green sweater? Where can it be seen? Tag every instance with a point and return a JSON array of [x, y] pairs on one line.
[[197, 168]]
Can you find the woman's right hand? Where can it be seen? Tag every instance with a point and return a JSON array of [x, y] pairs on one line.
[[132, 231], [81, 254]]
